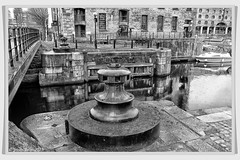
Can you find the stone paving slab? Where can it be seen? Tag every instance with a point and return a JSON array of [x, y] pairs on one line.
[[47, 128], [172, 129], [170, 108], [176, 147], [200, 127], [222, 138], [201, 146], [201, 112], [175, 135], [215, 117]]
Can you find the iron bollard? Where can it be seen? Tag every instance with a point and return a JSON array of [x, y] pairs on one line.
[[158, 45], [55, 43], [114, 43], [90, 39], [131, 43], [76, 44]]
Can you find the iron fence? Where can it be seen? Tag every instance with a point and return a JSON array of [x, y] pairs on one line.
[[20, 39], [133, 35]]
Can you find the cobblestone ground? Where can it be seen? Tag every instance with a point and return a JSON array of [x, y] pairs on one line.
[[222, 138]]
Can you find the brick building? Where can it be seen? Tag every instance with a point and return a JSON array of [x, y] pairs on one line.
[[153, 21], [215, 21]]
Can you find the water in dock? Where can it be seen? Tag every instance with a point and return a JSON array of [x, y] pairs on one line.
[[188, 86]]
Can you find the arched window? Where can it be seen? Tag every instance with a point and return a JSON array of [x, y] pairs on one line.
[[206, 16], [174, 23], [144, 25], [204, 31], [160, 21], [220, 28], [199, 16]]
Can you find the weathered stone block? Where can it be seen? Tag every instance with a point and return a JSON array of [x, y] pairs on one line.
[[51, 70], [52, 59], [77, 68], [77, 73], [77, 63]]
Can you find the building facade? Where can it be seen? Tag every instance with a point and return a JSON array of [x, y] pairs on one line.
[[56, 24], [80, 21], [184, 22], [214, 21]]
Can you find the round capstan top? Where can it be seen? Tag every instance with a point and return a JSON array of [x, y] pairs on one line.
[[114, 70]]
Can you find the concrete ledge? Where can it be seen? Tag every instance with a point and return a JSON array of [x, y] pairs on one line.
[[20, 141], [176, 135]]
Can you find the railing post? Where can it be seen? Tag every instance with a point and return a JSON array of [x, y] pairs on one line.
[[90, 39], [22, 37], [54, 38], [131, 43], [73, 37], [55, 43], [114, 43], [25, 39], [10, 48], [19, 42], [15, 43], [28, 45], [76, 46]]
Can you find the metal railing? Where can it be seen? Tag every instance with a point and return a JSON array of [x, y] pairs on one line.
[[141, 35], [20, 40]]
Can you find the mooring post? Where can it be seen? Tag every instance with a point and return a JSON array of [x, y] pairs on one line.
[[55, 43], [76, 44], [54, 37], [85, 66], [114, 43], [90, 39], [131, 43]]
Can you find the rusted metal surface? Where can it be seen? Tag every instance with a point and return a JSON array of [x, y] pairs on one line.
[[103, 136], [114, 103]]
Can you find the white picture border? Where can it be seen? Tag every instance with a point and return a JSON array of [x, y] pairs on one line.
[[109, 3]]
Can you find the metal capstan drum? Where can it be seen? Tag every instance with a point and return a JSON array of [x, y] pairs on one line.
[[114, 104]]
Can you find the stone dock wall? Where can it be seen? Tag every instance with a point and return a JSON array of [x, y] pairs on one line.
[[82, 66], [61, 68]]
